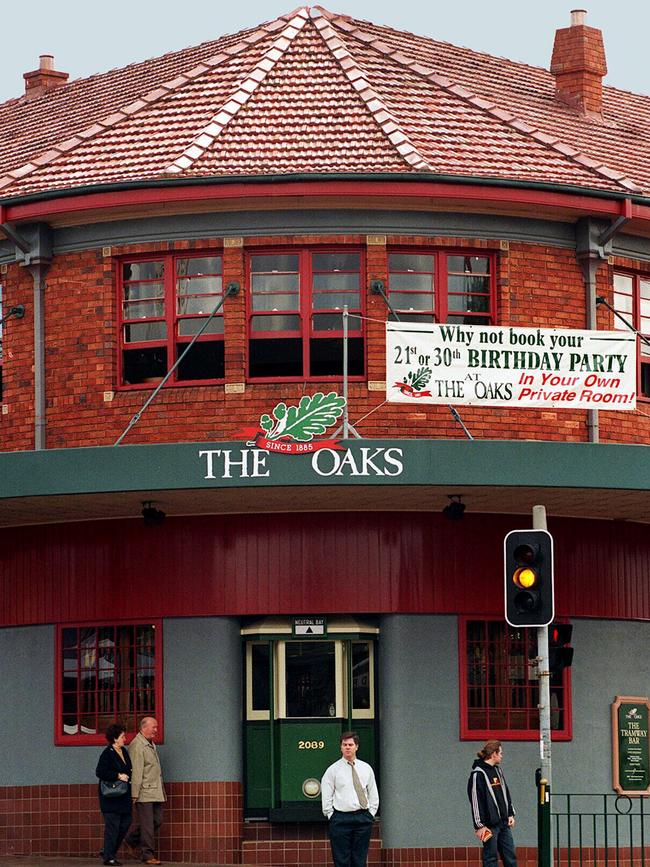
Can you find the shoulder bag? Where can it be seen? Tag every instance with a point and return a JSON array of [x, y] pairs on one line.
[[113, 790]]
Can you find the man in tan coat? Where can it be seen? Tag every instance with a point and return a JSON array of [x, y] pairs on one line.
[[147, 791]]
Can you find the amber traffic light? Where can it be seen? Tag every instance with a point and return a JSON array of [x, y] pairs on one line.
[[528, 577]]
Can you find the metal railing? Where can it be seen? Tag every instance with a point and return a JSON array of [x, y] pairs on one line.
[[606, 830]]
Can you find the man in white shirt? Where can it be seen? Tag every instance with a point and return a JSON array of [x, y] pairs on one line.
[[350, 802]]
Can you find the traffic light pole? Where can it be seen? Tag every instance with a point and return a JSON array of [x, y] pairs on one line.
[[544, 850]]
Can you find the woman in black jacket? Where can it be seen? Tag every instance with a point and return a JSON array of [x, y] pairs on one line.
[[114, 764]]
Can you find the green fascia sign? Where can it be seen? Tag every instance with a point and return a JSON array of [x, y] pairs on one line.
[[183, 466]]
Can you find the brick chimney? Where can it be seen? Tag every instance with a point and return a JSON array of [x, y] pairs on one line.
[[44, 78], [578, 64]]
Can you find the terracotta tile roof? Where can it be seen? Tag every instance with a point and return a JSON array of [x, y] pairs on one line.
[[315, 92]]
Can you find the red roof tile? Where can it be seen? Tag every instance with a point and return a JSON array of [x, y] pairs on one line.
[[315, 92]]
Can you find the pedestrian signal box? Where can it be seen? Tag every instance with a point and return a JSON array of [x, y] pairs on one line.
[[560, 654], [528, 577]]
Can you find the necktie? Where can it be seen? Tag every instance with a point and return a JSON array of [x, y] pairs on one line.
[[358, 788]]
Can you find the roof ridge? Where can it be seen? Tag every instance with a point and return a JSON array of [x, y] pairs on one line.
[[158, 92], [378, 109], [206, 136], [489, 107]]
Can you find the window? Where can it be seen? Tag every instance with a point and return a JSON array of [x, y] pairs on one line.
[[442, 287], [632, 302], [106, 674], [164, 302], [499, 691], [295, 321]]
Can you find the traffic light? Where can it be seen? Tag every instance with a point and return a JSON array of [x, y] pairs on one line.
[[560, 656], [528, 577]]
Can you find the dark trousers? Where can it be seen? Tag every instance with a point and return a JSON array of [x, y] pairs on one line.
[[349, 835], [149, 819], [502, 843], [115, 827]]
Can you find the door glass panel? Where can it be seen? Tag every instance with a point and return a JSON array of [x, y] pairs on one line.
[[360, 675], [310, 679], [260, 676]]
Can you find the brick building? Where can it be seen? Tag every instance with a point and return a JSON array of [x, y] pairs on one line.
[[259, 603]]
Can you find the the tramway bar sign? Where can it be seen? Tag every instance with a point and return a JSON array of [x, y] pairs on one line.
[[630, 745], [507, 366]]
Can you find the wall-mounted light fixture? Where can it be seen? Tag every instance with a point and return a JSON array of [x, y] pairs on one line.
[[152, 517], [18, 311], [455, 509]]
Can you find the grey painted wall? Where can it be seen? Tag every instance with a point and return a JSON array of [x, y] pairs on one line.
[[251, 223], [202, 698], [424, 764]]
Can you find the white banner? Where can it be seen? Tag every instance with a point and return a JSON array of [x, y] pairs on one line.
[[477, 365]]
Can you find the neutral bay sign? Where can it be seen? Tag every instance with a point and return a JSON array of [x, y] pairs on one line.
[[525, 367]]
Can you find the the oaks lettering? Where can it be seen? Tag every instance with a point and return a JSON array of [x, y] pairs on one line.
[[251, 463]]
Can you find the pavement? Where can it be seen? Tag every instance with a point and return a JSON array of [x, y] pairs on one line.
[[44, 861]]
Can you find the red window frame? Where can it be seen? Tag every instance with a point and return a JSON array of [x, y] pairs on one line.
[[510, 690], [306, 332], [131, 720], [171, 316], [440, 289], [635, 317]]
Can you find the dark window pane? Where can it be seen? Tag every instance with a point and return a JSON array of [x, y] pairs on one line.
[[261, 677], [468, 264], [280, 262], [262, 283], [469, 303], [410, 262], [210, 286], [337, 283], [70, 725], [415, 317], [275, 357], [144, 365], [310, 681], [188, 327], [144, 332], [411, 282], [335, 301], [145, 634], [469, 319], [334, 322], [144, 291], [275, 323], [361, 675], [276, 301], [326, 356], [198, 266], [411, 301], [69, 637], [205, 360], [336, 262], [142, 270], [645, 379]]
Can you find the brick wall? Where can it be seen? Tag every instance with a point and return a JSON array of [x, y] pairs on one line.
[[537, 285], [203, 822]]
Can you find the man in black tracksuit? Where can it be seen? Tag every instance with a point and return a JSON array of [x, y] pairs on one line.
[[492, 811]]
